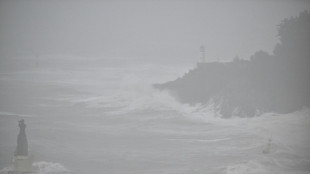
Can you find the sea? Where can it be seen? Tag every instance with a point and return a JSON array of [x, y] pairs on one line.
[[105, 117]]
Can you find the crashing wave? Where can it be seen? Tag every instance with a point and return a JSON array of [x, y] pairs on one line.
[[43, 167]]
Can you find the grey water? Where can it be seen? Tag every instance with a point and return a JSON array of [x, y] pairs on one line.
[[111, 120], [81, 75]]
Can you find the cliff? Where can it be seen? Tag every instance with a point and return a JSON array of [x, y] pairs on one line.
[[266, 83]]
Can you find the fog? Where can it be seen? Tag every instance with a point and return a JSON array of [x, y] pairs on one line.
[[123, 87], [162, 30]]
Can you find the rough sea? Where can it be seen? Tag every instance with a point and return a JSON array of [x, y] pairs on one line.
[[107, 119]]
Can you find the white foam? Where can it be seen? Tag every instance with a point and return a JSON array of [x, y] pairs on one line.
[[15, 114], [5, 170], [198, 140], [250, 167], [44, 167]]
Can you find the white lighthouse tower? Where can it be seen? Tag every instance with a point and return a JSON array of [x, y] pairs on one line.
[[203, 54]]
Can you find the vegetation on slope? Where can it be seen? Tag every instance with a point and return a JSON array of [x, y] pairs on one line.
[[265, 83]]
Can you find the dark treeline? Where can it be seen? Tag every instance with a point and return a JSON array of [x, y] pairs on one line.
[[266, 83]]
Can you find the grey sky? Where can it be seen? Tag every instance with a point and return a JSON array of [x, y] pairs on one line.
[[168, 30]]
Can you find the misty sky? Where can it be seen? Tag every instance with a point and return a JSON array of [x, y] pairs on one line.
[[166, 30]]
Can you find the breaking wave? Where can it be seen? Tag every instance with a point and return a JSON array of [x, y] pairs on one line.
[[43, 167], [249, 167], [129, 89]]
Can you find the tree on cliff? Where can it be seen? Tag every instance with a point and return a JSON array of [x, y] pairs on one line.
[[292, 61], [266, 83]]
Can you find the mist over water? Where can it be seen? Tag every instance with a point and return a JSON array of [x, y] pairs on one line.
[[110, 119], [82, 74]]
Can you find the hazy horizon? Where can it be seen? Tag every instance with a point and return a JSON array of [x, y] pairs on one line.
[[143, 30], [115, 87]]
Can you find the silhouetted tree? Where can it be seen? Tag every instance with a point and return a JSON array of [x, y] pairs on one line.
[[278, 83]]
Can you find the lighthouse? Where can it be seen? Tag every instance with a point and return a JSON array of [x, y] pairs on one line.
[[203, 54], [22, 161]]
